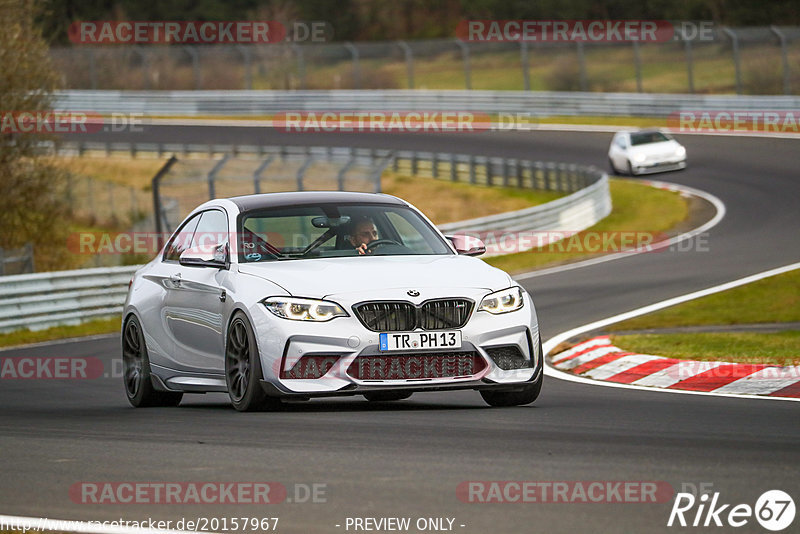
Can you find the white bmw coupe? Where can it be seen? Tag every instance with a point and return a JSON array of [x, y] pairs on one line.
[[315, 294]]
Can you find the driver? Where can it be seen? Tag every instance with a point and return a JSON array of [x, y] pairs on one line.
[[363, 232]]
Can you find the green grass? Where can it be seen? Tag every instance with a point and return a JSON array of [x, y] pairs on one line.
[[90, 328], [772, 300], [781, 348], [637, 208]]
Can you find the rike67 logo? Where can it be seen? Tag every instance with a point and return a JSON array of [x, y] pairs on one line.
[[774, 510]]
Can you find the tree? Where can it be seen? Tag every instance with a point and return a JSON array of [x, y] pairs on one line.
[[32, 206]]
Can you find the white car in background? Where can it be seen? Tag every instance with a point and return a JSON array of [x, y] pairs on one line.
[[645, 152]]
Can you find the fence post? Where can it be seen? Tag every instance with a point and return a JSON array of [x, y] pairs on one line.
[[689, 60], [258, 172], [343, 171], [409, 54], [248, 66], [467, 69], [92, 69], [192, 51], [637, 63], [212, 176], [435, 165], [379, 171], [787, 84], [523, 56], [356, 68], [301, 172], [29, 254], [584, 84], [301, 64], [735, 45], [453, 168], [155, 183]]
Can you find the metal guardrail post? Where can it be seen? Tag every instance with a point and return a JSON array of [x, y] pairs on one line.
[[155, 183], [523, 57], [737, 66], [467, 68], [505, 172], [435, 165], [787, 84], [258, 172], [584, 84], [356, 67], [637, 64], [212, 176], [453, 168], [414, 164], [409, 55]]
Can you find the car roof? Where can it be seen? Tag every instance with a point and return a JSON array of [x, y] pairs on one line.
[[302, 198]]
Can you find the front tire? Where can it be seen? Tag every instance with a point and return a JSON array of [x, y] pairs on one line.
[[243, 368], [136, 376]]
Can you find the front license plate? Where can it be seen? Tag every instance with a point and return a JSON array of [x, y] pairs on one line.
[[420, 340]]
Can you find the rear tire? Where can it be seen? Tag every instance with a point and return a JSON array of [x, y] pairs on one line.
[[136, 370], [386, 396], [243, 368]]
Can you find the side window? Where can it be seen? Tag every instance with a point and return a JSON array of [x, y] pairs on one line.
[[181, 240], [212, 229]]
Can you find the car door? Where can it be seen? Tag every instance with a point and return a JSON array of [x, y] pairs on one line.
[[162, 277], [195, 302], [618, 153]]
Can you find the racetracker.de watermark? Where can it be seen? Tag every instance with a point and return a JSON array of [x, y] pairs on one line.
[[584, 31], [51, 368], [381, 121], [564, 491], [73, 122], [143, 32], [735, 121]]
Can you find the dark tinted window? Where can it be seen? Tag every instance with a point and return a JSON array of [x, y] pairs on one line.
[[181, 240]]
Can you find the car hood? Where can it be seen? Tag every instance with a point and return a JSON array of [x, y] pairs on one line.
[[666, 148], [319, 278]]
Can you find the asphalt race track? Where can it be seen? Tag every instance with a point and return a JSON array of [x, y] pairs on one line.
[[406, 459]]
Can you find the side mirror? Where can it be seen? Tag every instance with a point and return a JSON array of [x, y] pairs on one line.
[[467, 245], [217, 256]]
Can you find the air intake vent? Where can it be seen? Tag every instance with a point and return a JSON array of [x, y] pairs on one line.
[[508, 357]]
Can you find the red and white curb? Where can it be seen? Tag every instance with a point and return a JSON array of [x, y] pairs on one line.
[[598, 359]]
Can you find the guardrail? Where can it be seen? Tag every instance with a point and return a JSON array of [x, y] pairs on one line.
[[255, 103], [43, 300]]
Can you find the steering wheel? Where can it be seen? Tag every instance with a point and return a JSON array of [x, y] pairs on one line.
[[378, 242]]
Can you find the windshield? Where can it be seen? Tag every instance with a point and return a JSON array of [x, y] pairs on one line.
[[644, 138], [334, 231]]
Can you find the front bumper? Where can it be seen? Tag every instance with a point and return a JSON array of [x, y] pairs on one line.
[[651, 167], [282, 343]]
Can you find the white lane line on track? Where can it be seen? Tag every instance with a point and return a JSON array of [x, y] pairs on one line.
[[551, 343], [716, 202], [42, 524]]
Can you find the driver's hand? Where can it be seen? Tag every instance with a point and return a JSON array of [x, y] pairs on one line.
[[362, 249]]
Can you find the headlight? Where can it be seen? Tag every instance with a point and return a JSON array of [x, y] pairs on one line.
[[504, 301], [680, 151], [298, 309], [639, 158]]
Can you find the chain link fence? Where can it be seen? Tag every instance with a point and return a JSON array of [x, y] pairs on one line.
[[753, 60]]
